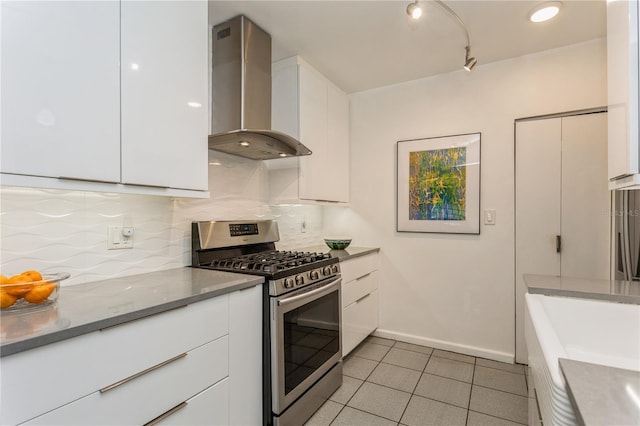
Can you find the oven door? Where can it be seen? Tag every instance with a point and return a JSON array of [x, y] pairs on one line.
[[305, 339]]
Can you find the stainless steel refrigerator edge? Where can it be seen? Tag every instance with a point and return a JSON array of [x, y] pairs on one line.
[[627, 235]]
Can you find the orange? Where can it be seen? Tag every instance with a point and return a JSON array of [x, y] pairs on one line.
[[6, 300], [40, 293], [33, 275], [4, 279], [18, 290]]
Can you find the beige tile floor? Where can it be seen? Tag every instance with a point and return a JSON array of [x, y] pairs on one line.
[[387, 382]]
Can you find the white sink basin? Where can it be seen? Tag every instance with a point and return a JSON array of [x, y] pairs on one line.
[[592, 331]]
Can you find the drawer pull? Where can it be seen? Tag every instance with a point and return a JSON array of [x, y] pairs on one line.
[[363, 297], [363, 277], [141, 373], [161, 417]]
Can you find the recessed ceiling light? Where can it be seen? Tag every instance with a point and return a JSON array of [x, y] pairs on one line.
[[245, 143], [414, 10], [545, 11]]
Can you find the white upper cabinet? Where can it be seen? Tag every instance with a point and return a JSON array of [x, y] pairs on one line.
[[164, 93], [622, 76], [60, 80], [105, 96], [312, 109]]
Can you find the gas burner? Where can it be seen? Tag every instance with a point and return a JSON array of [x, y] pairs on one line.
[[269, 262]]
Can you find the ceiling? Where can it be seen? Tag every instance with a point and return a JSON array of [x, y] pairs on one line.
[[360, 45]]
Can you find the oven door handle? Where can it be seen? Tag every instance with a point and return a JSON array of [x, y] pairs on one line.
[[327, 288]]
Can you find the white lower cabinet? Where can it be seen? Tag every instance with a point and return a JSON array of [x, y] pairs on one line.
[[209, 407], [136, 372], [359, 299], [147, 396], [359, 320]]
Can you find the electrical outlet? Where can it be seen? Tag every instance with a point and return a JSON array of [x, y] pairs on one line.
[[119, 237]]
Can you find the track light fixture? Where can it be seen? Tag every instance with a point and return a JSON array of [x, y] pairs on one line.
[[469, 61], [414, 10]]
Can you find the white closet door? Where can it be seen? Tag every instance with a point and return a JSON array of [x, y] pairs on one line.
[[538, 200], [586, 200], [561, 190]]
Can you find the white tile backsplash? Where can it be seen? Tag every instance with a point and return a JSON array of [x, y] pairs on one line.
[[55, 230]]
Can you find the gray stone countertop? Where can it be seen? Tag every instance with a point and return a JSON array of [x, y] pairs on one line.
[[609, 290], [602, 395], [348, 253], [84, 308]]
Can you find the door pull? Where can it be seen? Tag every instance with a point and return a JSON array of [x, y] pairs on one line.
[[558, 243]]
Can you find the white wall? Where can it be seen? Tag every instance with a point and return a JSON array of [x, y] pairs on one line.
[[54, 231], [456, 291]]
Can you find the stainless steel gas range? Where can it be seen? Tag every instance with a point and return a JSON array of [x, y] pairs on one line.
[[302, 351]]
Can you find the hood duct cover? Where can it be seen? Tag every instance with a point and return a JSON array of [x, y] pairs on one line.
[[241, 95]]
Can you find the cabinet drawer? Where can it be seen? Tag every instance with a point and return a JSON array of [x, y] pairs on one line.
[[146, 397], [358, 288], [210, 407], [47, 377], [358, 266], [358, 321]]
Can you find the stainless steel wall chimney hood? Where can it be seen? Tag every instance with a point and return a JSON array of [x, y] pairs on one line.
[[241, 98]]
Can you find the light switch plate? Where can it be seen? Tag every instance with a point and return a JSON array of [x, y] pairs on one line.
[[489, 217], [117, 239]]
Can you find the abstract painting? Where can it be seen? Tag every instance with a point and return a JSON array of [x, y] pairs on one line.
[[439, 184]]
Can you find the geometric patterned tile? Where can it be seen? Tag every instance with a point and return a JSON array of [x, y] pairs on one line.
[[415, 348], [395, 377], [511, 368], [499, 404], [444, 390], [500, 380], [407, 359], [449, 368], [371, 351], [380, 400], [423, 412], [351, 417], [346, 391], [454, 356]]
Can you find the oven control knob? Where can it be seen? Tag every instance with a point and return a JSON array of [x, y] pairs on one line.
[[334, 269], [299, 280], [288, 283], [326, 270], [314, 275]]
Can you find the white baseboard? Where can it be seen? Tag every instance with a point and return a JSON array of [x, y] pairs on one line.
[[447, 346]]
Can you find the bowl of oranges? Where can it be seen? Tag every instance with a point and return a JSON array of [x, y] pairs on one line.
[[28, 289]]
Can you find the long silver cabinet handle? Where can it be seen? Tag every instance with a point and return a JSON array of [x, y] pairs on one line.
[[622, 176], [363, 297], [364, 276], [161, 417], [141, 373]]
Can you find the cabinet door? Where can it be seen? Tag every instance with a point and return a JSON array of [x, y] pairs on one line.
[[337, 182], [164, 93], [313, 133], [538, 201], [245, 357], [61, 89], [622, 88], [143, 398], [209, 407], [358, 321]]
